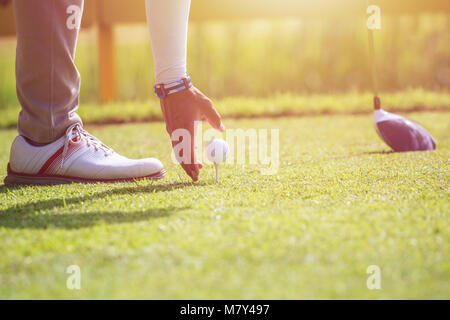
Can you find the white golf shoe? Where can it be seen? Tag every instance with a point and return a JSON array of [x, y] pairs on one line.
[[75, 157]]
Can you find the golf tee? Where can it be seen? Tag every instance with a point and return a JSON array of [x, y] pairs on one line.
[[216, 166]]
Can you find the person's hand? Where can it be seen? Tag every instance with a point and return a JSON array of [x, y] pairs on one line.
[[180, 111]]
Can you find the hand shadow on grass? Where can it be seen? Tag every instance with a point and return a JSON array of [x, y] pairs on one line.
[[28, 216]]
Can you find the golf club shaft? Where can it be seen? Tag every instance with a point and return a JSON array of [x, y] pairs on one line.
[[373, 65]]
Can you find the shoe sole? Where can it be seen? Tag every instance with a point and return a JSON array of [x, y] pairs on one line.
[[28, 179]]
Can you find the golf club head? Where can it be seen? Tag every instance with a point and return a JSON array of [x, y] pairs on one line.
[[401, 134]]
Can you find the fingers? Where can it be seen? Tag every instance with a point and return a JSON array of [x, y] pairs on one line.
[[184, 148], [181, 111], [192, 170], [210, 113]]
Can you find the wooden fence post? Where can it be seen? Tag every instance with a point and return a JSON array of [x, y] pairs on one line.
[[106, 62]]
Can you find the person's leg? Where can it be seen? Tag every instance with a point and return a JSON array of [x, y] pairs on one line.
[[48, 83], [53, 147]]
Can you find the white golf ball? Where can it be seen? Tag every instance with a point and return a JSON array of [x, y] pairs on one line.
[[217, 151]]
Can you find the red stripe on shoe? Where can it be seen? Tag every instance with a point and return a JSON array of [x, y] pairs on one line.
[[71, 149], [57, 156], [50, 160]]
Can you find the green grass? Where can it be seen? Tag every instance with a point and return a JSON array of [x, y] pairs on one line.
[[276, 105], [338, 204]]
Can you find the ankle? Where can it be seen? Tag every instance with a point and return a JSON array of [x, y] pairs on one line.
[[34, 143]]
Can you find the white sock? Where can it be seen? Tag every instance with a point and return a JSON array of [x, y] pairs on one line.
[[167, 22]]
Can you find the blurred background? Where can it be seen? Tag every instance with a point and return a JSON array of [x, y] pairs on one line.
[[263, 54]]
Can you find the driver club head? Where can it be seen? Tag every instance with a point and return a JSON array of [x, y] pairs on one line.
[[401, 134]]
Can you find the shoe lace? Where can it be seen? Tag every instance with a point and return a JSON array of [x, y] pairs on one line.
[[76, 131]]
